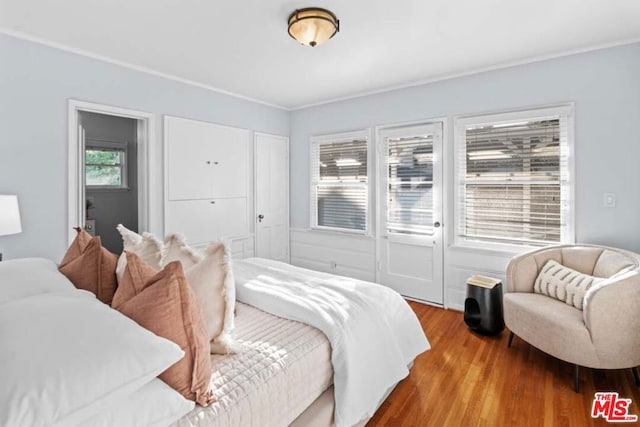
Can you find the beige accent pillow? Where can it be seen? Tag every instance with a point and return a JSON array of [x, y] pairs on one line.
[[164, 303], [90, 266], [146, 246], [564, 283], [211, 277], [176, 249]]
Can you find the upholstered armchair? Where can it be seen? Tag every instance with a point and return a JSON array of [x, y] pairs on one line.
[[605, 333]]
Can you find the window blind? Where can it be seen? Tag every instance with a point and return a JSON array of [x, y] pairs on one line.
[[410, 185], [514, 181], [340, 184]]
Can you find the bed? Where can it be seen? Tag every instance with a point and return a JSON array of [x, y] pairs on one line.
[[315, 350]]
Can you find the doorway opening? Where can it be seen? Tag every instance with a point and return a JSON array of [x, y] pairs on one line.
[[107, 171]]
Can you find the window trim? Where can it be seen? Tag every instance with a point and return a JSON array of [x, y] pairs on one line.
[[460, 123], [333, 138], [102, 145]]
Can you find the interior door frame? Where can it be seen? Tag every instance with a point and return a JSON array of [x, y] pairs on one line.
[[444, 201], [76, 189], [255, 190]]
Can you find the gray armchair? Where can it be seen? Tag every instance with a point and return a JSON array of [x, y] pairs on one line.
[[605, 334]]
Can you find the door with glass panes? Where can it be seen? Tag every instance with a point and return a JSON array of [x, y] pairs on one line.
[[410, 249]]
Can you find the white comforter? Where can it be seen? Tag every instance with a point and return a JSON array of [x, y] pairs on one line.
[[373, 332]]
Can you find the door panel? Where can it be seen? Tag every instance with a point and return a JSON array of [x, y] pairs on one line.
[[272, 197], [410, 192], [229, 161], [189, 150], [401, 260], [202, 221]]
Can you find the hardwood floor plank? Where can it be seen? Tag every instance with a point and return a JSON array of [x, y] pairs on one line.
[[473, 380]]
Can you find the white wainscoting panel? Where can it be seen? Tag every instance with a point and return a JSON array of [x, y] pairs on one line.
[[241, 247], [354, 256], [337, 253], [462, 263]]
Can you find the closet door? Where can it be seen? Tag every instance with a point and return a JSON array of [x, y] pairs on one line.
[[203, 221], [229, 148], [206, 179], [190, 151]]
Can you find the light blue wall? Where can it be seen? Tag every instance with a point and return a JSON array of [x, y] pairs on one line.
[[605, 86], [36, 83]]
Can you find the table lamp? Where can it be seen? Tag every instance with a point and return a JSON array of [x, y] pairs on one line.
[[9, 216]]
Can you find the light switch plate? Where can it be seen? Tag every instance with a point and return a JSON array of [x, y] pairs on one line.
[[609, 200]]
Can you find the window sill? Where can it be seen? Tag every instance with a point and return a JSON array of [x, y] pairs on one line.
[[90, 189], [329, 231], [505, 251]]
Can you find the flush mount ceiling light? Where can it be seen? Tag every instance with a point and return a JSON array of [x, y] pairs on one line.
[[313, 26]]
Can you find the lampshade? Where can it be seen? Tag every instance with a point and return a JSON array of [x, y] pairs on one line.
[[313, 26], [9, 215]]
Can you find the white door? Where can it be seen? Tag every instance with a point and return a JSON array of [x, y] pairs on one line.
[[272, 196], [189, 159], [410, 211]]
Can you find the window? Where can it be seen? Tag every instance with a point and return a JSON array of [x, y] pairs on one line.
[[340, 182], [409, 187], [513, 178], [105, 166]]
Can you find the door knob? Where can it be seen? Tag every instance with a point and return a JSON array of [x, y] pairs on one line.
[[436, 224], [260, 218]]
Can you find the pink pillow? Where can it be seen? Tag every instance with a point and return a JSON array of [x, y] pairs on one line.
[[91, 267], [164, 303]]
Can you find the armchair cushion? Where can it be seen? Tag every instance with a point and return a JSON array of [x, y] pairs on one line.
[[550, 325], [564, 284]]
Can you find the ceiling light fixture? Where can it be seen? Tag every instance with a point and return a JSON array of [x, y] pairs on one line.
[[313, 26]]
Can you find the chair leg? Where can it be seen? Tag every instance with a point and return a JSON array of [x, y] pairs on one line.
[[511, 334], [576, 378], [636, 376]]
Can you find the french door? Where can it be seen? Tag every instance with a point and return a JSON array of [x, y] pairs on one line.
[[410, 249]]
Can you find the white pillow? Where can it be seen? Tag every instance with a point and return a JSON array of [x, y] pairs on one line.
[[155, 404], [210, 275], [564, 284], [146, 246], [66, 355], [21, 278]]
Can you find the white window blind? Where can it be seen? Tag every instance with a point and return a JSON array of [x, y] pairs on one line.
[[339, 183], [514, 179], [410, 185]]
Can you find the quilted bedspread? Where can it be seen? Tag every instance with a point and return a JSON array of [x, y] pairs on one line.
[[373, 332], [283, 366]]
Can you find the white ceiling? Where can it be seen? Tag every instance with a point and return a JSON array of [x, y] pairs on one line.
[[242, 46]]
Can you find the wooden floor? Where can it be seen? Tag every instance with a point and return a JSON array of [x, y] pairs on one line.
[[471, 380]]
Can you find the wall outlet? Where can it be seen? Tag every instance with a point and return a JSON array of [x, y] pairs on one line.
[[609, 200]]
